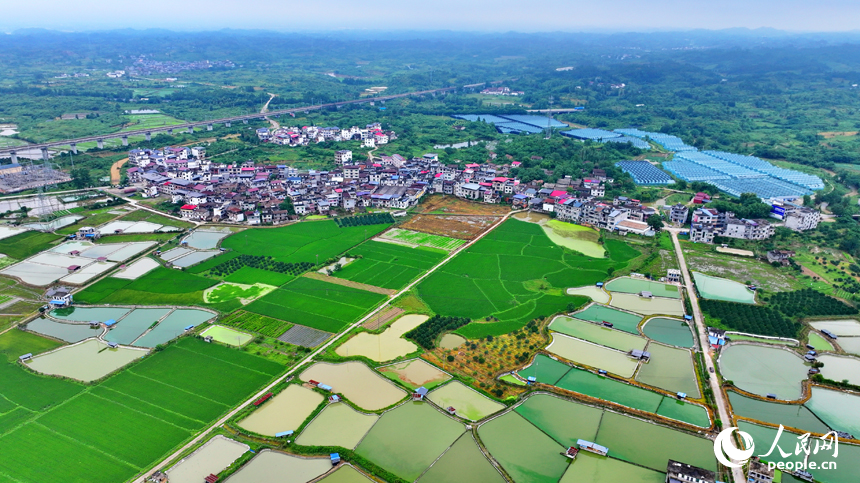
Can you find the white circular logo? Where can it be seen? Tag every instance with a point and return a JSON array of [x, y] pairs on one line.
[[725, 450]]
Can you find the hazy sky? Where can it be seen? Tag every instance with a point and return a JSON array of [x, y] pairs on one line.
[[468, 15]]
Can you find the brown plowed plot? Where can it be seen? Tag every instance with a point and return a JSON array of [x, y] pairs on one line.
[[383, 318], [451, 205], [304, 336], [464, 227], [348, 283]]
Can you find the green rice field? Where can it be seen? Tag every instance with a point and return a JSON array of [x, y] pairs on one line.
[[27, 244], [515, 273], [256, 323], [124, 424], [635, 285], [423, 239], [388, 265], [316, 304]]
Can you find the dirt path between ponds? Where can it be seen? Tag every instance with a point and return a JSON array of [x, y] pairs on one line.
[[349, 283]]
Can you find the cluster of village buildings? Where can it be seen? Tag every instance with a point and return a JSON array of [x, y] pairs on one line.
[[370, 136], [254, 194]]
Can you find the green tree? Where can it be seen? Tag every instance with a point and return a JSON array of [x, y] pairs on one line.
[[655, 222], [81, 178], [287, 204]]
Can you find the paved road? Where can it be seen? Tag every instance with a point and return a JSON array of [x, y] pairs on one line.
[[140, 132], [701, 328], [322, 348]]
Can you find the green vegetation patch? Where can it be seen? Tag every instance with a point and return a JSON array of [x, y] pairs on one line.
[[256, 323], [251, 275], [162, 286], [261, 263], [300, 242], [27, 244], [808, 302], [317, 304], [753, 319], [387, 265], [423, 239], [510, 275], [366, 219], [145, 215], [233, 291]]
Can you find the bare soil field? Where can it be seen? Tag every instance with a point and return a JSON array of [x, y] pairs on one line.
[[451, 205], [463, 227]]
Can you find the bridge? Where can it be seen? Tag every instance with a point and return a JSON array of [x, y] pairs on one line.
[[227, 121]]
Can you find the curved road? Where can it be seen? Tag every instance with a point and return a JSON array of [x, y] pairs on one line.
[[702, 330], [225, 120], [309, 358]]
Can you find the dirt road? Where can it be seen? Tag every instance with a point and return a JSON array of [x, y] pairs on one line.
[[115, 176]]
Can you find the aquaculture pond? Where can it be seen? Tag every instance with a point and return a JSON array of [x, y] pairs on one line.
[[598, 334], [226, 335], [337, 425], [763, 370], [647, 306], [670, 368], [594, 293], [346, 474], [212, 458], [133, 325], [89, 314], [406, 440], [137, 269], [621, 320], [67, 332], [462, 463], [608, 389], [274, 467], [847, 327], [840, 368], [204, 239], [592, 355], [194, 258], [468, 403], [790, 415], [415, 373], [848, 460], [85, 361], [451, 341], [525, 452], [840, 411], [284, 412], [596, 469], [356, 382], [850, 345], [669, 331], [636, 285], [173, 326], [386, 346], [722, 289], [822, 344]]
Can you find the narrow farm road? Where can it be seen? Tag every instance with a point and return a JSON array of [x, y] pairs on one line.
[[114, 171], [323, 347], [702, 330]]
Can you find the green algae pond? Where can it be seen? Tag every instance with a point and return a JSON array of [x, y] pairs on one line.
[[85, 361], [408, 439], [821, 344], [594, 293], [227, 335], [130, 328], [415, 373], [670, 368], [669, 331], [462, 463], [337, 425], [592, 355], [792, 415], [356, 382], [596, 469], [525, 452], [763, 370], [636, 285], [576, 237], [284, 412], [612, 390], [647, 305], [67, 332], [716, 288], [468, 403], [621, 320], [597, 334], [275, 467]]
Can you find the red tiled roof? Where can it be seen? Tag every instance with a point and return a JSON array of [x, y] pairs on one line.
[[189, 207]]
